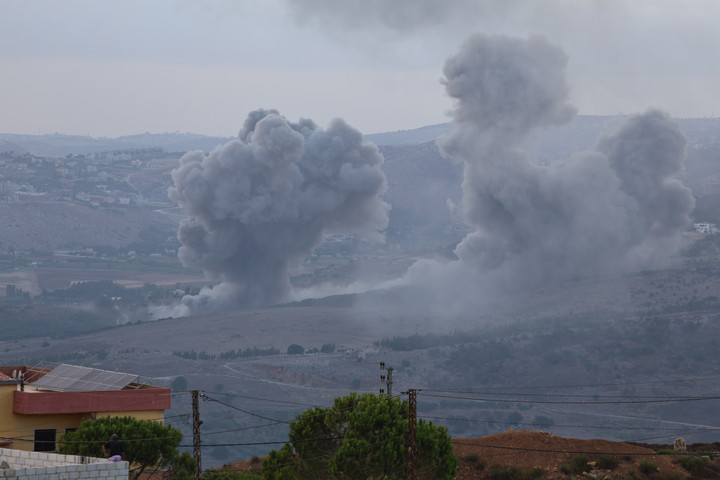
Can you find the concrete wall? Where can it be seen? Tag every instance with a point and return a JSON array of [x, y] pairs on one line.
[[50, 466]]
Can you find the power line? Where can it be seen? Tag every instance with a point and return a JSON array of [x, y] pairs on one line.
[[586, 385], [568, 402], [205, 397], [700, 429], [550, 450]]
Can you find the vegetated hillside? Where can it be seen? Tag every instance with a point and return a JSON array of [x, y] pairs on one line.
[[629, 358], [422, 186], [44, 227]]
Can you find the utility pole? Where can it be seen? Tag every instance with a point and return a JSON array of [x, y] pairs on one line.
[[197, 452], [412, 434], [386, 380]]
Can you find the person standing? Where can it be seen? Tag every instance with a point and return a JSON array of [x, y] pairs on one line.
[[113, 450]]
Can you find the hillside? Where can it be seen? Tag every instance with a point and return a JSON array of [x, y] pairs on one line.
[[616, 358], [518, 454], [627, 357]]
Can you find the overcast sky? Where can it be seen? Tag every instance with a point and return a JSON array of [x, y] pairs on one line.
[[111, 68]]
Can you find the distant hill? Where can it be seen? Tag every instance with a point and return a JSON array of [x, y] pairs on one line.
[[59, 145], [410, 137]]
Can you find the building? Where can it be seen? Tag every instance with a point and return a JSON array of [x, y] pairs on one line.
[[705, 227], [38, 404]]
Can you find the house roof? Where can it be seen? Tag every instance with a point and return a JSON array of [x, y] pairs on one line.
[[73, 378]]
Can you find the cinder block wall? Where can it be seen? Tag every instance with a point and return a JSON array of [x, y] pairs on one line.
[[50, 466]]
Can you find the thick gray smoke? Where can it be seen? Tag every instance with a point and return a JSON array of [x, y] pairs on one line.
[[617, 207], [265, 199], [398, 15]]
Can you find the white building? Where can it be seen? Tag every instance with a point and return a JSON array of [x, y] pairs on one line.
[[705, 227]]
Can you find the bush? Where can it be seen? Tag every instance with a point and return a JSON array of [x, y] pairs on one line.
[[607, 462], [474, 459], [179, 384], [507, 472], [579, 464], [295, 349], [692, 463], [647, 467], [700, 467]]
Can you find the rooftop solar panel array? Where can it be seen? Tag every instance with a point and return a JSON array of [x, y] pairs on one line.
[[66, 378]]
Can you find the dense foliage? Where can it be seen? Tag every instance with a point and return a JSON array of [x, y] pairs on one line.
[[359, 437], [147, 445]]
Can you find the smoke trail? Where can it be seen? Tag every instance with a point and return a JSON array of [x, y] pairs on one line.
[[265, 199], [617, 207]]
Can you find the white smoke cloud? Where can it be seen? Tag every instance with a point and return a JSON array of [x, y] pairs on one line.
[[265, 199], [615, 208]]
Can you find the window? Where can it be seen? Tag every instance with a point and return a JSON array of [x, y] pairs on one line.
[[45, 440]]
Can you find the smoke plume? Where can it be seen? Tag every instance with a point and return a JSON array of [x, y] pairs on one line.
[[265, 199], [600, 211]]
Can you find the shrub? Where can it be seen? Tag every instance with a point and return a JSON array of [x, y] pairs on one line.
[[700, 467], [295, 349], [179, 384], [692, 463], [607, 462], [508, 472], [579, 464], [647, 467], [474, 458]]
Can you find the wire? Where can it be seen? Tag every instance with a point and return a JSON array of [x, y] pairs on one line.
[[586, 385], [567, 402], [584, 427], [269, 400], [548, 450], [205, 397]]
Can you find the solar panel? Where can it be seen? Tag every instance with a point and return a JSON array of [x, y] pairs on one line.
[[66, 378]]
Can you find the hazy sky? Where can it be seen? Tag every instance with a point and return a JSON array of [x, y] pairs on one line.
[[110, 68]]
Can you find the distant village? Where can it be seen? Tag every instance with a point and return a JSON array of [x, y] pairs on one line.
[[100, 179], [96, 179]]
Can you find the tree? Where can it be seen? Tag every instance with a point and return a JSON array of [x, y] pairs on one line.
[[179, 384], [359, 437], [295, 349], [147, 445]]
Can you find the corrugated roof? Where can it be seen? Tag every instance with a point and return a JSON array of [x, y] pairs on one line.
[[67, 378]]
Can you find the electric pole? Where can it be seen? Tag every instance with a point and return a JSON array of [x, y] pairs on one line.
[[197, 452], [386, 379], [412, 434]]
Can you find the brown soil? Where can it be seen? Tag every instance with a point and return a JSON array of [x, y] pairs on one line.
[[528, 450]]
